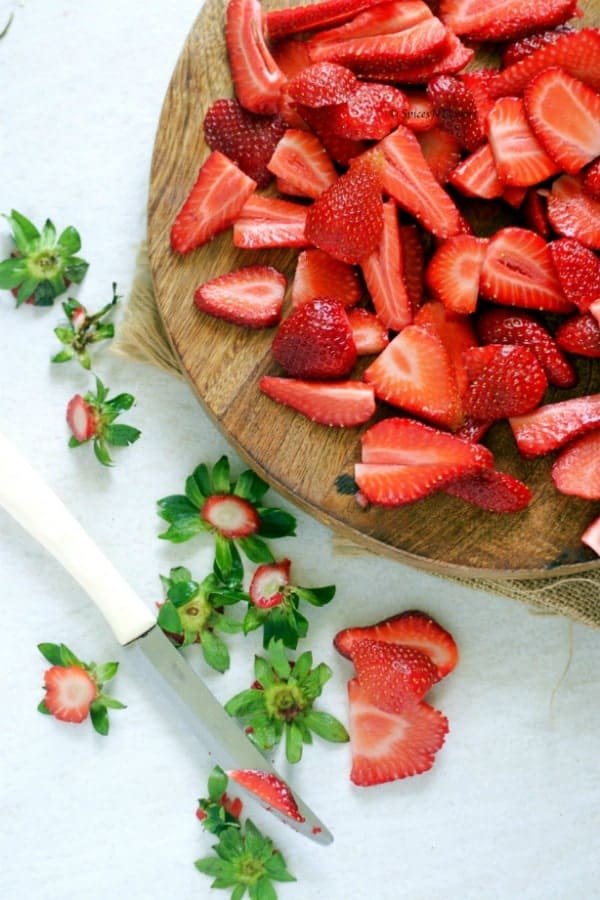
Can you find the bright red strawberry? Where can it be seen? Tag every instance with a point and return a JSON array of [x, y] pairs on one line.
[[214, 202], [82, 418], [391, 484], [250, 296], [454, 272], [441, 150], [394, 677], [369, 333], [371, 112], [342, 150], [387, 746], [518, 271], [578, 270], [507, 381], [291, 55], [383, 271], [70, 691], [413, 628], [420, 116], [501, 20], [576, 471], [519, 49], [453, 58], [341, 403], [476, 175], [312, 16], [316, 341], [266, 222], [455, 331], [265, 588], [519, 157], [591, 536], [491, 490], [318, 274], [230, 515], [591, 180], [498, 325], [572, 140], [257, 79], [322, 84], [347, 219], [379, 19], [554, 424], [401, 441], [457, 111], [415, 373], [301, 160], [580, 334], [533, 210], [573, 212], [269, 789], [246, 138], [413, 260]]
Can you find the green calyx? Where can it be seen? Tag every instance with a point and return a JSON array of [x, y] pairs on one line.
[[105, 410], [82, 330], [285, 622]]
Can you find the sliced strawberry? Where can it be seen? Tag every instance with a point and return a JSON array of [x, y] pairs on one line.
[[519, 157], [491, 490], [316, 341], [413, 261], [394, 677], [269, 222], [454, 272], [591, 180], [257, 79], [452, 59], [347, 219], [341, 403], [441, 151], [372, 112], [573, 212], [301, 160], [455, 331], [322, 84], [379, 19], [269, 789], [383, 271], [400, 441], [70, 691], [265, 590], [501, 20], [81, 418], [214, 202], [457, 110], [342, 150], [391, 484], [519, 49], [554, 424], [533, 210], [312, 16], [413, 628], [498, 325], [318, 274], [250, 296], [576, 471], [580, 334], [508, 381], [518, 271], [415, 373], [476, 175], [230, 515], [291, 55], [369, 333], [420, 116], [591, 536], [387, 746], [578, 270]]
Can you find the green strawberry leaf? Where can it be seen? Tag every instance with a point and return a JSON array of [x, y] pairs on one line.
[[276, 523], [250, 487], [326, 726], [168, 619], [121, 435], [221, 476], [256, 550], [214, 651], [318, 596], [294, 743], [246, 703], [99, 717]]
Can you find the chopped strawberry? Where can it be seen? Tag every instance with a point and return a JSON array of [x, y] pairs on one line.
[[341, 149], [519, 157], [369, 333], [457, 111], [341, 403], [415, 373], [580, 334], [394, 677], [413, 261], [476, 175], [380, 18], [576, 471], [372, 112], [246, 138], [318, 274], [265, 590], [554, 424], [387, 746], [498, 325], [316, 341], [391, 484], [322, 84], [70, 691], [573, 212], [591, 180], [82, 419], [413, 628], [501, 20], [533, 210], [420, 116], [301, 160], [508, 381], [266, 222], [383, 271], [312, 16], [491, 490], [455, 331], [347, 219], [591, 536], [453, 58], [230, 515], [250, 296], [520, 48], [518, 271], [454, 272], [578, 270], [212, 205], [257, 79], [401, 441], [441, 151], [269, 789], [291, 55]]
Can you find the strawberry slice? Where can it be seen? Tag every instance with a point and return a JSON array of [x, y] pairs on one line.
[[214, 202], [322, 84], [70, 691], [591, 180], [392, 484], [591, 536], [457, 110], [519, 157], [379, 19], [394, 677], [383, 271], [571, 140], [82, 419], [369, 333], [476, 175], [291, 55], [454, 272], [407, 442], [265, 222], [518, 271], [269, 789], [554, 424], [580, 334], [301, 160], [456, 333], [413, 262], [508, 380], [387, 746], [501, 20], [578, 270], [257, 79], [341, 403], [230, 515], [265, 590], [453, 58], [573, 212], [492, 491], [516, 50], [413, 628], [318, 274], [316, 341], [250, 296], [576, 471], [313, 16], [415, 373], [441, 150], [372, 112]]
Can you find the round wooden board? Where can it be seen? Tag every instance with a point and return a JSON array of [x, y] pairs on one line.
[[304, 461]]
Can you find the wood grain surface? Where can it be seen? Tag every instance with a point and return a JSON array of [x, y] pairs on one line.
[[309, 463]]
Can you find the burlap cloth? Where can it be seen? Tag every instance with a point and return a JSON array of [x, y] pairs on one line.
[[142, 337]]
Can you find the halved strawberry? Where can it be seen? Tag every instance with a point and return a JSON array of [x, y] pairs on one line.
[[250, 296], [82, 419], [573, 212], [554, 424], [264, 222], [476, 175], [300, 159], [316, 341], [576, 471], [491, 490], [401, 441], [580, 334], [454, 272], [369, 333], [591, 536], [387, 746], [394, 677], [578, 270], [441, 151], [322, 84], [257, 79], [519, 157], [265, 590], [457, 111], [312, 16], [230, 515], [70, 691], [318, 274], [501, 20], [341, 403], [383, 271], [371, 112], [213, 203], [269, 789], [508, 381]]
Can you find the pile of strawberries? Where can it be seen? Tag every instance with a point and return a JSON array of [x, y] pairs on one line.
[[447, 223]]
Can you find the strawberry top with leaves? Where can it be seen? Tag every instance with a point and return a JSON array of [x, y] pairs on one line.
[[92, 418]]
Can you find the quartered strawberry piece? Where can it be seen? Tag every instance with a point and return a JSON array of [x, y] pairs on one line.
[[476, 175], [457, 110], [316, 341], [501, 20], [70, 691], [394, 677], [454, 272], [387, 746], [257, 79], [341, 403], [591, 536], [312, 16], [383, 271], [318, 274], [372, 112], [230, 515], [519, 157], [250, 296], [573, 212], [508, 380], [576, 471], [269, 789], [551, 426], [268, 581], [403, 441], [369, 333], [580, 334], [301, 161], [578, 270], [492, 491], [322, 84], [265, 222]]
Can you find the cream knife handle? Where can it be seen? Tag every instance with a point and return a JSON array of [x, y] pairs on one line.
[[27, 497]]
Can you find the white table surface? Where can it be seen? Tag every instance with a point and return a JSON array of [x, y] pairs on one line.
[[511, 808]]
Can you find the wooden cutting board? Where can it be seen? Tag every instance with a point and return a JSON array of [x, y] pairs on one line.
[[308, 463]]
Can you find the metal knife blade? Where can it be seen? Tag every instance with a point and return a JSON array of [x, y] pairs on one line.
[[27, 497]]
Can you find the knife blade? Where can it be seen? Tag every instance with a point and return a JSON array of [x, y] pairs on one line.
[[37, 508]]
